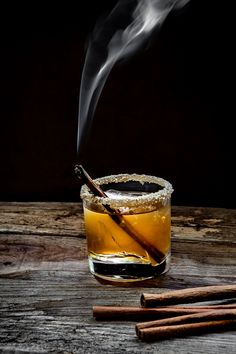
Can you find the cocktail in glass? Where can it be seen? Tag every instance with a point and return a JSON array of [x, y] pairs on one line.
[[128, 231]]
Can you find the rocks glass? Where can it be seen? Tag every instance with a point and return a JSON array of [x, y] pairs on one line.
[[129, 231]]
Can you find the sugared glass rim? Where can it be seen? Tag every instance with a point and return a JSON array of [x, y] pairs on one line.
[[160, 196]]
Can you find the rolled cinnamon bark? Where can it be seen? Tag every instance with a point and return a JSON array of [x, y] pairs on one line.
[[139, 313], [215, 314], [167, 332], [204, 293], [206, 307]]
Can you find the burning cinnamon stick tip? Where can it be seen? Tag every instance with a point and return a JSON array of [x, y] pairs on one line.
[[80, 172], [86, 179]]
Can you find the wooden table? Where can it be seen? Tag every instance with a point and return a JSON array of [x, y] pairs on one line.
[[47, 292]]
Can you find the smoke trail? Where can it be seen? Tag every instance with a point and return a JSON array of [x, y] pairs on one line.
[[127, 27]]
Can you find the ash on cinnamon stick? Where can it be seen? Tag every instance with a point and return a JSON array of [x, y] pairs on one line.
[[204, 293], [117, 217], [85, 178]]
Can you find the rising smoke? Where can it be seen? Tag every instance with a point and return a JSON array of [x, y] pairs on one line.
[[127, 28]]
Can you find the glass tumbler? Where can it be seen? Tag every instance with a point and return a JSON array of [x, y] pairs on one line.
[[129, 231]]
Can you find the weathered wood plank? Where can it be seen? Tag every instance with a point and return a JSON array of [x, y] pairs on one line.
[[205, 224], [19, 250], [42, 218], [67, 218], [190, 258], [47, 292], [62, 319]]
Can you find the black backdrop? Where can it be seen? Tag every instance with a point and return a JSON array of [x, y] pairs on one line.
[[167, 111]]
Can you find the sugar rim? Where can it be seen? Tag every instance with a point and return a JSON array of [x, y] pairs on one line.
[[160, 196]]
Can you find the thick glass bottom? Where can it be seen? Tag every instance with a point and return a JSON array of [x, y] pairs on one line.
[[127, 271]]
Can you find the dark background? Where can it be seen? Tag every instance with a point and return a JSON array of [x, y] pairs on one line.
[[167, 111]]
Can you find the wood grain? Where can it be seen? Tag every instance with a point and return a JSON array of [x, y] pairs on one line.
[[47, 292]]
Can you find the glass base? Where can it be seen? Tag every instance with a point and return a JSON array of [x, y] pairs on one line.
[[126, 271]]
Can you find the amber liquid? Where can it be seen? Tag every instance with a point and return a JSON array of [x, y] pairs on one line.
[[114, 253]]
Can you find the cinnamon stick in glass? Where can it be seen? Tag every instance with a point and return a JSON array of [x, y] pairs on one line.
[[182, 330], [117, 217], [204, 293]]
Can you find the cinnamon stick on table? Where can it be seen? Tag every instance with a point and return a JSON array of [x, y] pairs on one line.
[[210, 315], [206, 307], [166, 332], [139, 313], [204, 293]]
